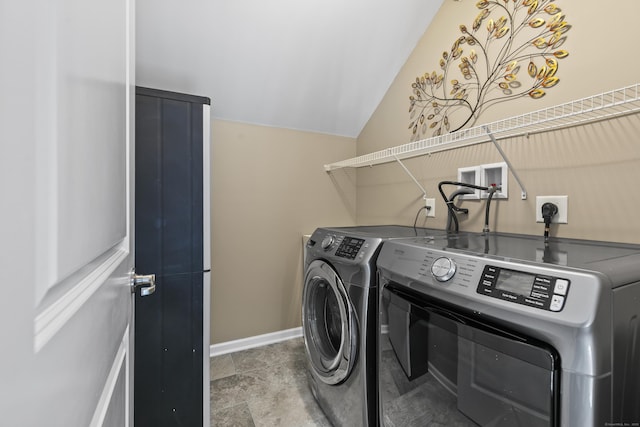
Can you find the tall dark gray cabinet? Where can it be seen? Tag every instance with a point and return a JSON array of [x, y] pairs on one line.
[[171, 370]]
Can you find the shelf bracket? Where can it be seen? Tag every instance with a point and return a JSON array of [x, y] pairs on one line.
[[424, 192], [523, 191]]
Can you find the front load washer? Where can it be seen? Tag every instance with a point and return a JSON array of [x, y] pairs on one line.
[[505, 330], [339, 318]]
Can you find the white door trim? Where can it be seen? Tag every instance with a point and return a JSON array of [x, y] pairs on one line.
[[55, 316], [121, 360]]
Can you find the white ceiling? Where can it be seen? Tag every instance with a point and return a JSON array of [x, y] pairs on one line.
[[313, 65]]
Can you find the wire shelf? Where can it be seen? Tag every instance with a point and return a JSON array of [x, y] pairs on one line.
[[606, 105]]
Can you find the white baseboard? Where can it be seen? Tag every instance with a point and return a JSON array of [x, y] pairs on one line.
[[256, 341]]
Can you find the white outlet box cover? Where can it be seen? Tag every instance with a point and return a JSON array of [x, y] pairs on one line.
[[561, 201], [431, 213]]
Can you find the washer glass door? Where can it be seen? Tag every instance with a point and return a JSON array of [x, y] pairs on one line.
[[329, 325]]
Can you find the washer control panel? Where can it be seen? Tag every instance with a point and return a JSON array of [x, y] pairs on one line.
[[534, 290], [349, 247]]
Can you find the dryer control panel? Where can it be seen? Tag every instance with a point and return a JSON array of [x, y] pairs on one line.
[[539, 291]]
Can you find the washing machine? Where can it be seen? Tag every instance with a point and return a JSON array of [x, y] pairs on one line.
[[509, 330], [339, 318]]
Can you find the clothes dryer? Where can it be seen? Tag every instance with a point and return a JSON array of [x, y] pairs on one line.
[[339, 318], [509, 330]]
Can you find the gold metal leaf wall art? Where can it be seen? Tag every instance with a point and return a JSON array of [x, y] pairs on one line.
[[483, 65]]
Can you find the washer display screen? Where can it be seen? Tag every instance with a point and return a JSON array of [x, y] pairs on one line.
[[516, 282], [535, 290]]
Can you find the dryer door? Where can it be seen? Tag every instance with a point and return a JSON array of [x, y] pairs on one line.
[[329, 324]]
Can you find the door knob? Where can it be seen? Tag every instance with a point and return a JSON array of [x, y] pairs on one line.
[[146, 283]]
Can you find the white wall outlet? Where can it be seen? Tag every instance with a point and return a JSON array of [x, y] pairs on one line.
[[431, 207], [560, 201]]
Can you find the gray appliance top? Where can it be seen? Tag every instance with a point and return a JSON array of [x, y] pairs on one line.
[[386, 231], [620, 262]]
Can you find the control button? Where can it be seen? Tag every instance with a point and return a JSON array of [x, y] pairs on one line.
[[443, 269], [541, 295], [561, 287], [327, 242], [556, 303], [541, 287], [534, 302]]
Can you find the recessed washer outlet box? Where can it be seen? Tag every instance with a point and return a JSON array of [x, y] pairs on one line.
[[495, 174], [561, 202], [470, 175]]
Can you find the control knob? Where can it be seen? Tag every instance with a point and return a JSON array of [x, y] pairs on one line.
[[443, 269], [327, 242]]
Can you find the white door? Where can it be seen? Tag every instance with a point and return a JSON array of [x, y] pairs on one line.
[[66, 126]]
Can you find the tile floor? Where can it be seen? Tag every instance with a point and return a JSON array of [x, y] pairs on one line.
[[264, 386]]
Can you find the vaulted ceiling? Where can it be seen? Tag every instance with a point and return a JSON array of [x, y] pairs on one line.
[[313, 65]]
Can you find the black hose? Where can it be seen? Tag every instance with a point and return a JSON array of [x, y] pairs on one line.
[[415, 222], [492, 190], [449, 203], [452, 197]]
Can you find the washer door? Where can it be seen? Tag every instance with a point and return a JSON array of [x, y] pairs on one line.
[[329, 324]]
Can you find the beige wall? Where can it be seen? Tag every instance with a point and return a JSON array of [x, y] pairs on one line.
[[269, 186], [268, 189], [597, 165]]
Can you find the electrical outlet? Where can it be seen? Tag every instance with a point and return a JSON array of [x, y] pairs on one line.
[[560, 201], [431, 207]]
